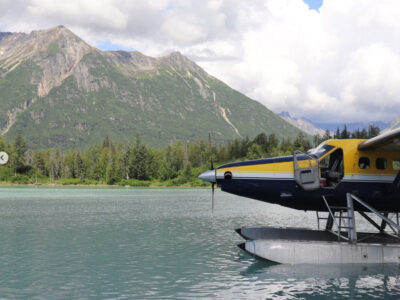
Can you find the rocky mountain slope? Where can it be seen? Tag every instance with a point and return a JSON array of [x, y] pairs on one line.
[[59, 91], [302, 124]]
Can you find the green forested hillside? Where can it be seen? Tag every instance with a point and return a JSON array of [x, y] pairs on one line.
[[58, 91]]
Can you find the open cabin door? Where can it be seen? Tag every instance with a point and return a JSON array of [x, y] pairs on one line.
[[306, 176]]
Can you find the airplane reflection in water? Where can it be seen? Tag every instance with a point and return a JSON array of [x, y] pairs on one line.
[[339, 177], [319, 281]]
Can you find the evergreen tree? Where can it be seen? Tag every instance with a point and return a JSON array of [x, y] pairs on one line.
[[337, 134], [138, 161], [287, 146], [373, 131], [78, 167], [39, 163], [17, 156], [55, 164], [327, 135], [244, 146], [69, 164], [364, 134], [255, 152], [300, 143], [317, 140], [107, 142], [345, 134], [273, 143], [124, 154], [356, 134], [111, 175], [2, 144], [261, 140]]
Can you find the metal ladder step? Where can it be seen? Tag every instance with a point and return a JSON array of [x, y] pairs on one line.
[[343, 217], [346, 227], [340, 214], [340, 207]]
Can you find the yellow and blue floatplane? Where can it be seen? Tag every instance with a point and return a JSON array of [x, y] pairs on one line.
[[338, 178]]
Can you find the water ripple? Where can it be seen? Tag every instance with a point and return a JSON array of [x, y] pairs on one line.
[[92, 243]]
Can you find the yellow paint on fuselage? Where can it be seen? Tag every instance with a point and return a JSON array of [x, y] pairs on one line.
[[351, 156]]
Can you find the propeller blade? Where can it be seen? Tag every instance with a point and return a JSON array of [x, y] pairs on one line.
[[212, 197], [209, 145]]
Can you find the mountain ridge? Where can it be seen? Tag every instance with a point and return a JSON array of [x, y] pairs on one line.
[[57, 90], [313, 128], [302, 123]]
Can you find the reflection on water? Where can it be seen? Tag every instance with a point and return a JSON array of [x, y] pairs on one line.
[[333, 281], [158, 243]]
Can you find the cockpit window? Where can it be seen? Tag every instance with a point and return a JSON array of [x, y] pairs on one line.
[[320, 151], [363, 163]]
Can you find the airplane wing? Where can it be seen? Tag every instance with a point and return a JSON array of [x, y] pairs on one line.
[[389, 141]]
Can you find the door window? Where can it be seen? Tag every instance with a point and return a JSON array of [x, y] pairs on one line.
[[332, 168]]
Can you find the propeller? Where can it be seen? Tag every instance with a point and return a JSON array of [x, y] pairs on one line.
[[209, 145], [211, 168]]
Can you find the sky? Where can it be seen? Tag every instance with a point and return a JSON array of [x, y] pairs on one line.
[[328, 61]]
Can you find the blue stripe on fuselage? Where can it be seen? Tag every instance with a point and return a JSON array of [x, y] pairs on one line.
[[316, 153], [262, 161]]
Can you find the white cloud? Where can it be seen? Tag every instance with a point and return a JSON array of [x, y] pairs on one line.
[[101, 13], [340, 64], [182, 28]]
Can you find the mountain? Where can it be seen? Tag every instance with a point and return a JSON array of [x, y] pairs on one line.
[[313, 128], [59, 91], [302, 124], [352, 126]]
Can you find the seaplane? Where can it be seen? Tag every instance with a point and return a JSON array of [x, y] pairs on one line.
[[337, 179]]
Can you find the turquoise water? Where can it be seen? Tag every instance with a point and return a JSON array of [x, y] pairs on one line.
[[120, 243]]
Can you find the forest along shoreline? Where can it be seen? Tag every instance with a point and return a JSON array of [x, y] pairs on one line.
[[137, 165], [101, 185]]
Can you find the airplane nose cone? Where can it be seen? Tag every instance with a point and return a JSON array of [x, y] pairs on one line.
[[208, 176]]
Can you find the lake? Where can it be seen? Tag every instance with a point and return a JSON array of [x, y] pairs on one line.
[[156, 243]]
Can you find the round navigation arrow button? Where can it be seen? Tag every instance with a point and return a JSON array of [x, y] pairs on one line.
[[3, 158]]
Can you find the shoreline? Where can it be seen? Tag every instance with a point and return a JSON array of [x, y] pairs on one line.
[[4, 184]]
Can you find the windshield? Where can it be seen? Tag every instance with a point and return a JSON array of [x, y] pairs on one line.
[[320, 151]]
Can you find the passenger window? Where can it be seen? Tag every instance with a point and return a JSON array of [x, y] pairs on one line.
[[381, 163], [396, 164], [363, 163]]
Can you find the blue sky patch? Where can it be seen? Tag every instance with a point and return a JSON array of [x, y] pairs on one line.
[[314, 4], [109, 46]]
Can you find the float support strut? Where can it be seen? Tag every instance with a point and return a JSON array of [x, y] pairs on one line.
[[352, 233]]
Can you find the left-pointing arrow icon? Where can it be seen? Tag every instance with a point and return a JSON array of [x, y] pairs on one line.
[[3, 158]]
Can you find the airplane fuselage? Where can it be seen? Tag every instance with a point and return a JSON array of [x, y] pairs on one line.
[[341, 168]]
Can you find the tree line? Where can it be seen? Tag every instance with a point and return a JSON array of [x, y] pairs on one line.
[[371, 132], [136, 164]]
